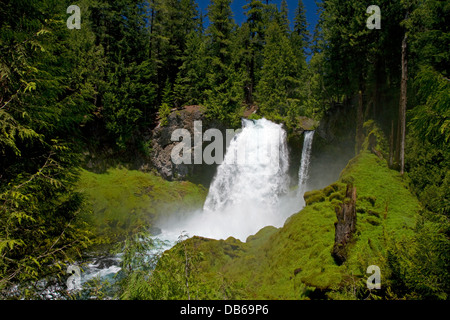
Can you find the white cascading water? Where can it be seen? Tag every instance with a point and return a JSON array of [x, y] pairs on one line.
[[249, 192], [254, 169], [303, 172], [251, 187], [244, 195]]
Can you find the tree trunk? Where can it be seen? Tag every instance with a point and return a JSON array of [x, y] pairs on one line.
[[345, 225], [377, 110], [391, 146], [359, 123], [402, 107]]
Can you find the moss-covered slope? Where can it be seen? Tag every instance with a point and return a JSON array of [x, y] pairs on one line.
[[123, 200], [295, 261]]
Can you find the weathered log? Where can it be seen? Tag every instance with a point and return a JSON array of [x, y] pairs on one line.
[[345, 225]]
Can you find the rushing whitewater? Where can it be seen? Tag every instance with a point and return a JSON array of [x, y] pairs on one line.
[[303, 172], [254, 169], [250, 188]]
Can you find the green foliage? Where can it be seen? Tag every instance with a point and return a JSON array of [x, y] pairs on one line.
[[181, 273], [278, 88], [167, 101], [428, 34], [192, 82], [123, 201], [43, 103], [426, 167], [164, 112], [171, 21], [224, 95], [135, 266], [253, 33], [224, 102], [376, 140], [103, 85], [419, 262], [295, 262], [427, 156], [300, 35], [220, 32], [431, 118], [175, 276]]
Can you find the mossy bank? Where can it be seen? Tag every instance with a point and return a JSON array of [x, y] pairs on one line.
[[295, 261], [123, 202]]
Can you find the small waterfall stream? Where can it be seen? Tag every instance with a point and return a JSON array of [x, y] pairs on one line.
[[303, 173]]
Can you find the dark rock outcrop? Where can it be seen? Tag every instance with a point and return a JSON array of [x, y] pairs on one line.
[[345, 226], [162, 145]]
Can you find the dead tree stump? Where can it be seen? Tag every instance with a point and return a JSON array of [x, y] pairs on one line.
[[345, 225]]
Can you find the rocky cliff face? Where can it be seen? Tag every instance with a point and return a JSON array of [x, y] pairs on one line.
[[162, 146]]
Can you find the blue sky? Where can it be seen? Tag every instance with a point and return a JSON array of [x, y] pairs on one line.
[[239, 17]]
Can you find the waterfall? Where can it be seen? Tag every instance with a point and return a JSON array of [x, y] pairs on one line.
[[303, 172], [254, 170], [245, 194], [249, 191]]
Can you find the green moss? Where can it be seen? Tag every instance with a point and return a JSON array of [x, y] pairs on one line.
[[389, 207], [124, 200], [332, 188], [375, 138], [261, 236], [374, 213], [336, 195], [295, 261], [313, 197], [254, 116], [374, 180], [372, 221]]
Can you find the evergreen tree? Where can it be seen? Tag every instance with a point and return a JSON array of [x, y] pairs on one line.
[[355, 54], [47, 91], [220, 34], [225, 93], [284, 16], [255, 27], [300, 35], [278, 89], [128, 96], [173, 21], [429, 131], [192, 81]]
